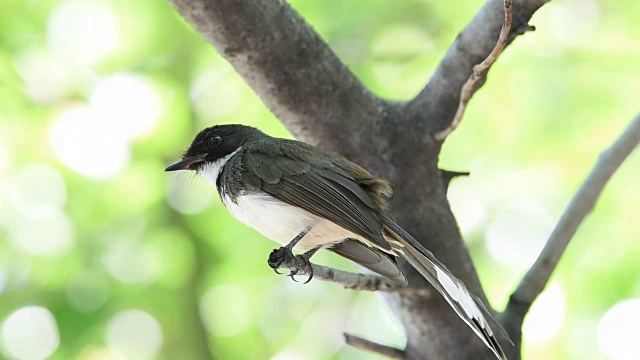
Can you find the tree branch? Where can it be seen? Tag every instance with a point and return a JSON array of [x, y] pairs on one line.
[[436, 105], [304, 84], [288, 65], [580, 206], [374, 347], [479, 72], [349, 280]]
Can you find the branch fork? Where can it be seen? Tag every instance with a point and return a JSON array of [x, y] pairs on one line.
[[478, 72], [279, 55]]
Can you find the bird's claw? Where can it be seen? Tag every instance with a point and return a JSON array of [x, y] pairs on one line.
[[302, 263], [285, 255], [294, 269], [307, 265]]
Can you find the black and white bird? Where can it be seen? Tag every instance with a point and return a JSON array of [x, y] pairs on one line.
[[307, 199]]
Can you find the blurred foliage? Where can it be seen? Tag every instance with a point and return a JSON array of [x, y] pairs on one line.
[[105, 256]]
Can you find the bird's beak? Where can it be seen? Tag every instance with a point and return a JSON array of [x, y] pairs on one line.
[[188, 163]]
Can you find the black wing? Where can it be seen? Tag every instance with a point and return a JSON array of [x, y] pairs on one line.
[[317, 186]]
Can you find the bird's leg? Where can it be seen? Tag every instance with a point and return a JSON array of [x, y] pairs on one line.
[[278, 256], [306, 264]]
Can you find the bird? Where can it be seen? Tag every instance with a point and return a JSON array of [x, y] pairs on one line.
[[307, 199]]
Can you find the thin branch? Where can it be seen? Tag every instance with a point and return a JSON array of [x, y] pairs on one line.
[[580, 206], [479, 72], [436, 105], [374, 347], [349, 280]]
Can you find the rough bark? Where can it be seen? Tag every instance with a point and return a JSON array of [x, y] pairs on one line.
[[312, 92]]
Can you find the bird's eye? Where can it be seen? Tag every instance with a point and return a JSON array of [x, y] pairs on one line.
[[214, 141]]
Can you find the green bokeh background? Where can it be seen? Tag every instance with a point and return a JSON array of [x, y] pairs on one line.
[[162, 245]]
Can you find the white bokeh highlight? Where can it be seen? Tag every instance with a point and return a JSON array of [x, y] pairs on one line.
[[133, 263], [128, 103], [83, 32], [292, 354], [94, 139], [470, 211], [214, 94], [518, 232], [618, 331], [546, 317], [5, 159], [134, 334], [50, 235], [87, 145], [47, 79], [30, 333], [37, 190], [571, 23]]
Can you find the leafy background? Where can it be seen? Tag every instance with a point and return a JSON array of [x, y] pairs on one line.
[[105, 256]]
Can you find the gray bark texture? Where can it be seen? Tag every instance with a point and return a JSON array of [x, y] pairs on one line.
[[301, 80]]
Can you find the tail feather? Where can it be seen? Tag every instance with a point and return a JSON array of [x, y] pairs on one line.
[[468, 308], [371, 258]]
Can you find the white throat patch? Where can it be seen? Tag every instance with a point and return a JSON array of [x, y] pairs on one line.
[[210, 171]]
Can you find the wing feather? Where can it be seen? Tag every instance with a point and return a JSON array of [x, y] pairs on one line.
[[323, 189], [372, 259]]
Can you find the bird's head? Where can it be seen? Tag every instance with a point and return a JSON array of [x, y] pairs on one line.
[[215, 143]]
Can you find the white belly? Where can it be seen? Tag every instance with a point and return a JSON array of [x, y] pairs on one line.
[[276, 220], [282, 222]]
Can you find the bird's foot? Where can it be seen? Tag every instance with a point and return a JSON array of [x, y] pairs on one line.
[[306, 265], [284, 257], [280, 256]]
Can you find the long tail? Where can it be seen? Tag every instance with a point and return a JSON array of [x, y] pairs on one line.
[[470, 310]]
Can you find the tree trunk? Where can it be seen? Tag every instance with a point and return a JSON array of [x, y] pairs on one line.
[[313, 93]]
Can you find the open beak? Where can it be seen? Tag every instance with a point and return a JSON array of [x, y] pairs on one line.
[[188, 163]]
